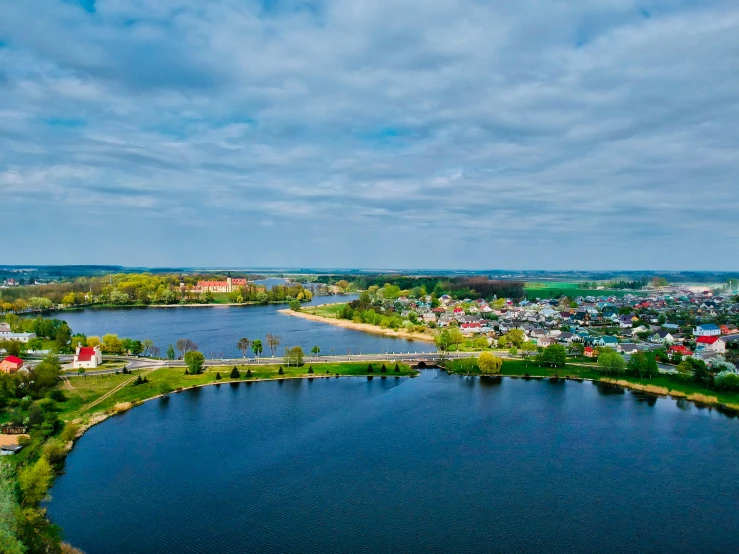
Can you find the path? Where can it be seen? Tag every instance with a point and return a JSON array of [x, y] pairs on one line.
[[109, 393]]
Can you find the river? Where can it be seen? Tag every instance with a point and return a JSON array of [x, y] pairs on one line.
[[438, 463], [216, 329]]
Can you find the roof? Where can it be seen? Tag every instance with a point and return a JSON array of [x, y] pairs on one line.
[[706, 340], [13, 360], [708, 326], [86, 354]]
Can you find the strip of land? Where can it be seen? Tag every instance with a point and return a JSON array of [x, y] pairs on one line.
[[366, 327]]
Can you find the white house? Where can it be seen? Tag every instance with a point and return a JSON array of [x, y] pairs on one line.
[[87, 357], [19, 337], [707, 330]]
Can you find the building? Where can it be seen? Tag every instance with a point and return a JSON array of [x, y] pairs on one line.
[[590, 352], [19, 337], [10, 449], [714, 344], [87, 357], [229, 285], [11, 364], [707, 330]]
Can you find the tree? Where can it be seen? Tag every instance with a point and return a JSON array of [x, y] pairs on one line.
[[170, 352], [81, 372], [256, 347], [650, 365], [112, 344], [273, 341], [637, 364], [194, 361], [92, 341], [294, 305], [63, 336], [47, 372], [489, 363], [294, 356], [235, 373], [146, 346], [554, 355], [611, 362], [186, 345], [243, 345], [34, 480], [316, 350]]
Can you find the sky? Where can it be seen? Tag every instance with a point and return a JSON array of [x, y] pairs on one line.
[[535, 134]]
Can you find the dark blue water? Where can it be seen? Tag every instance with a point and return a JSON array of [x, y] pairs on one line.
[[433, 464], [216, 329]]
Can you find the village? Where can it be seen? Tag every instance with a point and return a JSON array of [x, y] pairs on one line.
[[682, 321]]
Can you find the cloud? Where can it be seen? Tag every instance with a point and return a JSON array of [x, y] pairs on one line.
[[416, 133]]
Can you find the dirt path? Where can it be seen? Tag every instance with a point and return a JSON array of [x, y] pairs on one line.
[[111, 392]]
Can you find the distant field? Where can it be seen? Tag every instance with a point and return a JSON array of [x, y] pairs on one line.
[[329, 310], [535, 290]]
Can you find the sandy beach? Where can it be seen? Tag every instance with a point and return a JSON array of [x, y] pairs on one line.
[[367, 328]]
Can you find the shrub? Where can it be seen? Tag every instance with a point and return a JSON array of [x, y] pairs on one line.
[[727, 380], [57, 395], [397, 368], [35, 415], [248, 372], [310, 369], [369, 369], [23, 440], [218, 376], [280, 371], [54, 452], [69, 432], [383, 369], [235, 373]]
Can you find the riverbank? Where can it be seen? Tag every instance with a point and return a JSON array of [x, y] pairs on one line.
[[365, 327]]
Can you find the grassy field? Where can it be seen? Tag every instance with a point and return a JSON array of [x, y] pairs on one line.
[[87, 390], [329, 310]]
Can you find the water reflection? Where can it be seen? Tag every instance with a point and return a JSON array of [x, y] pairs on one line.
[[607, 389], [490, 381]]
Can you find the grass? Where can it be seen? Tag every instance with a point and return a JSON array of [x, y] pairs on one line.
[[673, 385], [165, 380], [329, 310]]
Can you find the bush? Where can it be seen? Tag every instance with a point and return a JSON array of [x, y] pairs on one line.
[[35, 415], [397, 368], [727, 380], [235, 373], [57, 395], [218, 376], [23, 440], [310, 369], [383, 369], [369, 369], [248, 372], [280, 371], [70, 432], [54, 452]]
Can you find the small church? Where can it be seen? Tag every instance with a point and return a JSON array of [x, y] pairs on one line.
[[87, 357]]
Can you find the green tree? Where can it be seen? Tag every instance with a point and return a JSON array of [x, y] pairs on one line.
[[170, 352], [243, 345], [63, 336], [294, 356], [47, 372], [194, 361], [9, 542], [112, 344], [611, 362], [316, 350], [34, 481], [256, 347], [637, 364], [489, 363], [554, 355], [146, 346], [235, 373]]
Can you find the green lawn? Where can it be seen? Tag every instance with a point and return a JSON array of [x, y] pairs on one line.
[[164, 380], [329, 310]]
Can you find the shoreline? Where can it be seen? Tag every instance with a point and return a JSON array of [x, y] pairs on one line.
[[365, 327]]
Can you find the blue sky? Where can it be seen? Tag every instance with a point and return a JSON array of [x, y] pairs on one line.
[[543, 134]]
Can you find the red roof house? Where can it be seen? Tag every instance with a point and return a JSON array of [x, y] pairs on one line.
[[706, 340], [11, 364], [680, 349], [87, 356]]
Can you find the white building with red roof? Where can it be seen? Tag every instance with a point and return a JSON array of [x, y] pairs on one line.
[[87, 356]]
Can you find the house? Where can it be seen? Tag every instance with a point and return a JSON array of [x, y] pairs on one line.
[[87, 357], [4, 328], [627, 348], [728, 329], [429, 317], [19, 337], [662, 337], [606, 341], [590, 352], [679, 349], [11, 364], [707, 330], [714, 344], [545, 341]]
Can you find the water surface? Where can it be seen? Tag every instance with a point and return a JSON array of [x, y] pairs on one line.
[[433, 464]]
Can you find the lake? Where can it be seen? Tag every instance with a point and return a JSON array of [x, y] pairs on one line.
[[216, 329], [438, 463]]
